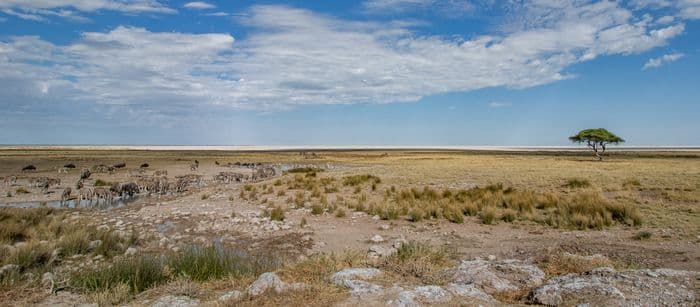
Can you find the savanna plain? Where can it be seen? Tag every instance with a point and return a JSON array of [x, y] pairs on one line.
[[343, 228]]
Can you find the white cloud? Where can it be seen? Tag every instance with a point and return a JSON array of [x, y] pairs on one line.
[[39, 10], [217, 14], [449, 8], [658, 62], [199, 5], [295, 57], [496, 104], [687, 9]]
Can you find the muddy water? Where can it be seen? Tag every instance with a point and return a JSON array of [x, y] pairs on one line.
[[73, 203]]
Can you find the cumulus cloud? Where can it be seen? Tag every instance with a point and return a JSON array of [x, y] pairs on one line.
[[39, 10], [666, 58], [199, 5], [294, 57]]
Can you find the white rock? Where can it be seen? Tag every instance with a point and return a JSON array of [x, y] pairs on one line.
[[130, 251], [355, 273], [270, 281], [469, 291], [384, 227], [175, 301], [376, 239], [230, 296]]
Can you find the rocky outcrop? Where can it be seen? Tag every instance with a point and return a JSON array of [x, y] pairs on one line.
[[354, 279], [497, 276], [270, 281], [607, 287]]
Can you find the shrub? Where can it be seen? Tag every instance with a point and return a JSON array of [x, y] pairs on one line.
[[204, 196], [74, 243], [575, 183], [421, 261], [277, 214], [102, 183], [340, 212], [642, 235], [21, 190], [508, 215], [305, 170], [355, 180], [317, 209], [488, 215], [415, 215], [146, 271]]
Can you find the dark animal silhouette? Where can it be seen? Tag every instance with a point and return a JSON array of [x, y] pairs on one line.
[[119, 165], [29, 168], [145, 165], [85, 173], [69, 165]]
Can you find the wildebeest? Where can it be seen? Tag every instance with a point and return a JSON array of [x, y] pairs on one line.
[[119, 165], [217, 163], [85, 173], [79, 185], [29, 168], [144, 165], [69, 165]]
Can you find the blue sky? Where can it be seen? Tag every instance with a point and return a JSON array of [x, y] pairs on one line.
[[372, 72]]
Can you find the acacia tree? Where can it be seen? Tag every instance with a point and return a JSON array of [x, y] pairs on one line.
[[596, 140]]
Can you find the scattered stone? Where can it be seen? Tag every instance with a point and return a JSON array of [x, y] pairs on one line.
[[491, 257], [376, 251], [270, 280], [176, 301], [355, 273], [47, 280], [384, 227], [495, 276], [376, 239], [607, 287], [352, 278], [8, 269], [231, 296], [131, 251], [94, 244], [469, 291]]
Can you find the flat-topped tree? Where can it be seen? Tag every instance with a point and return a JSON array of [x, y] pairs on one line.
[[597, 140]]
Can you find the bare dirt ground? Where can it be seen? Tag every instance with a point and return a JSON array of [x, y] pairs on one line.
[[665, 187]]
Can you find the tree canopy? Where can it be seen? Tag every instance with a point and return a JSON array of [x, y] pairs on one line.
[[596, 139]]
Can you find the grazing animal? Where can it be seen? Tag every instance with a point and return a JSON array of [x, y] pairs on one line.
[[66, 194], [28, 168], [194, 166], [217, 163], [45, 182], [161, 173], [63, 170], [145, 165], [128, 189], [69, 165], [79, 185], [102, 193], [86, 194], [119, 165], [226, 177], [263, 172], [85, 174], [101, 168]]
